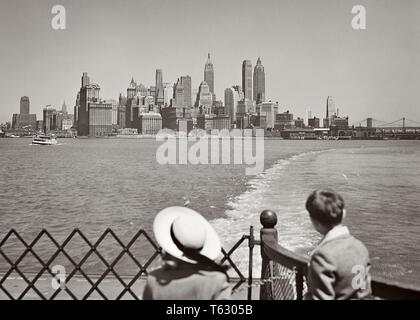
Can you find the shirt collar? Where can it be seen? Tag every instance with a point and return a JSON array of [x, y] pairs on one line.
[[335, 232]]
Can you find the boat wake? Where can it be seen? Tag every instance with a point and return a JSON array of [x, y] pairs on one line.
[[268, 191]]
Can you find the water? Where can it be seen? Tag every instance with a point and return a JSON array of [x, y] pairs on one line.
[[93, 184]]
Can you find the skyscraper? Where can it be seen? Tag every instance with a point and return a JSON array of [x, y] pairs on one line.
[[209, 74], [24, 105], [178, 94], [24, 119], [231, 102], [49, 119], [204, 97], [330, 107], [159, 96], [259, 82], [247, 79], [186, 84], [168, 93], [89, 93], [85, 79]]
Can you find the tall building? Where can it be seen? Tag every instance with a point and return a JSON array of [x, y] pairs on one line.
[[131, 90], [231, 103], [240, 91], [159, 96], [76, 110], [178, 94], [121, 121], [150, 123], [100, 119], [24, 105], [88, 94], [209, 75], [168, 93], [204, 97], [330, 108], [247, 79], [259, 82], [49, 119], [186, 84], [85, 79], [270, 110], [24, 119], [64, 107], [114, 105]]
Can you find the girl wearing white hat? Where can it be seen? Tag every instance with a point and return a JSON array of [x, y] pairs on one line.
[[190, 247]]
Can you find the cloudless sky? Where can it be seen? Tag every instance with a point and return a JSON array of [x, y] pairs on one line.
[[308, 48]]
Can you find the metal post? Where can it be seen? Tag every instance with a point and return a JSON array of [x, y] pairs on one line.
[[268, 220], [299, 284], [251, 244]]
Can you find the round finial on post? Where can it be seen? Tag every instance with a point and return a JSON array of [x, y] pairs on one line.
[[268, 218]]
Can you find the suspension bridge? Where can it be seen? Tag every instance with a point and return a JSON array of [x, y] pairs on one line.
[[402, 128]]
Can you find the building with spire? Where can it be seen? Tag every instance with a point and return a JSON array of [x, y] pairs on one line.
[[64, 107], [209, 75], [94, 115], [259, 82]]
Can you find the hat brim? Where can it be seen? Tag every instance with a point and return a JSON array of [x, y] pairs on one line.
[[162, 230]]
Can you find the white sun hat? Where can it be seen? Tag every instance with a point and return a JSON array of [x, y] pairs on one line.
[[179, 228]]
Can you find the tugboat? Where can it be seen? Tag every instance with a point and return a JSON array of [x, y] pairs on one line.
[[44, 140]]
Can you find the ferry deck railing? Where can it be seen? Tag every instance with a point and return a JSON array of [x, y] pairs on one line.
[[283, 273]]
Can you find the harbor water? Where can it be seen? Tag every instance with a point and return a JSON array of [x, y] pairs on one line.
[[94, 184]]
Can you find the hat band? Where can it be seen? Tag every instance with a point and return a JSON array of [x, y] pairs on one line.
[[195, 255], [180, 245]]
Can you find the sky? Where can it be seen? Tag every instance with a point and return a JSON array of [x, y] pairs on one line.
[[308, 48]]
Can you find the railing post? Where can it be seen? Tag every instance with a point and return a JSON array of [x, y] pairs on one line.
[[268, 219], [299, 284], [251, 244]]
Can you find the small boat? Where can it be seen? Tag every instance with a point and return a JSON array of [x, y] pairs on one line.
[[44, 140]]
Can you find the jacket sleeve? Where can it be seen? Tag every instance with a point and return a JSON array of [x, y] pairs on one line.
[[321, 278], [224, 290], [147, 292]]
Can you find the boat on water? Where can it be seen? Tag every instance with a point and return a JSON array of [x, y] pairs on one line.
[[44, 140]]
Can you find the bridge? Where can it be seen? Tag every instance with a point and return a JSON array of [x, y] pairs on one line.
[[402, 128]]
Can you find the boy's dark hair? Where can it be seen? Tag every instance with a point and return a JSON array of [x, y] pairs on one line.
[[325, 206]]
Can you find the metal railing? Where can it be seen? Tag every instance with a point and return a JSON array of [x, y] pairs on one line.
[[46, 266], [284, 272]]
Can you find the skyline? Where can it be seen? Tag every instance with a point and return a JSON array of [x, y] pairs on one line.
[[369, 73]]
